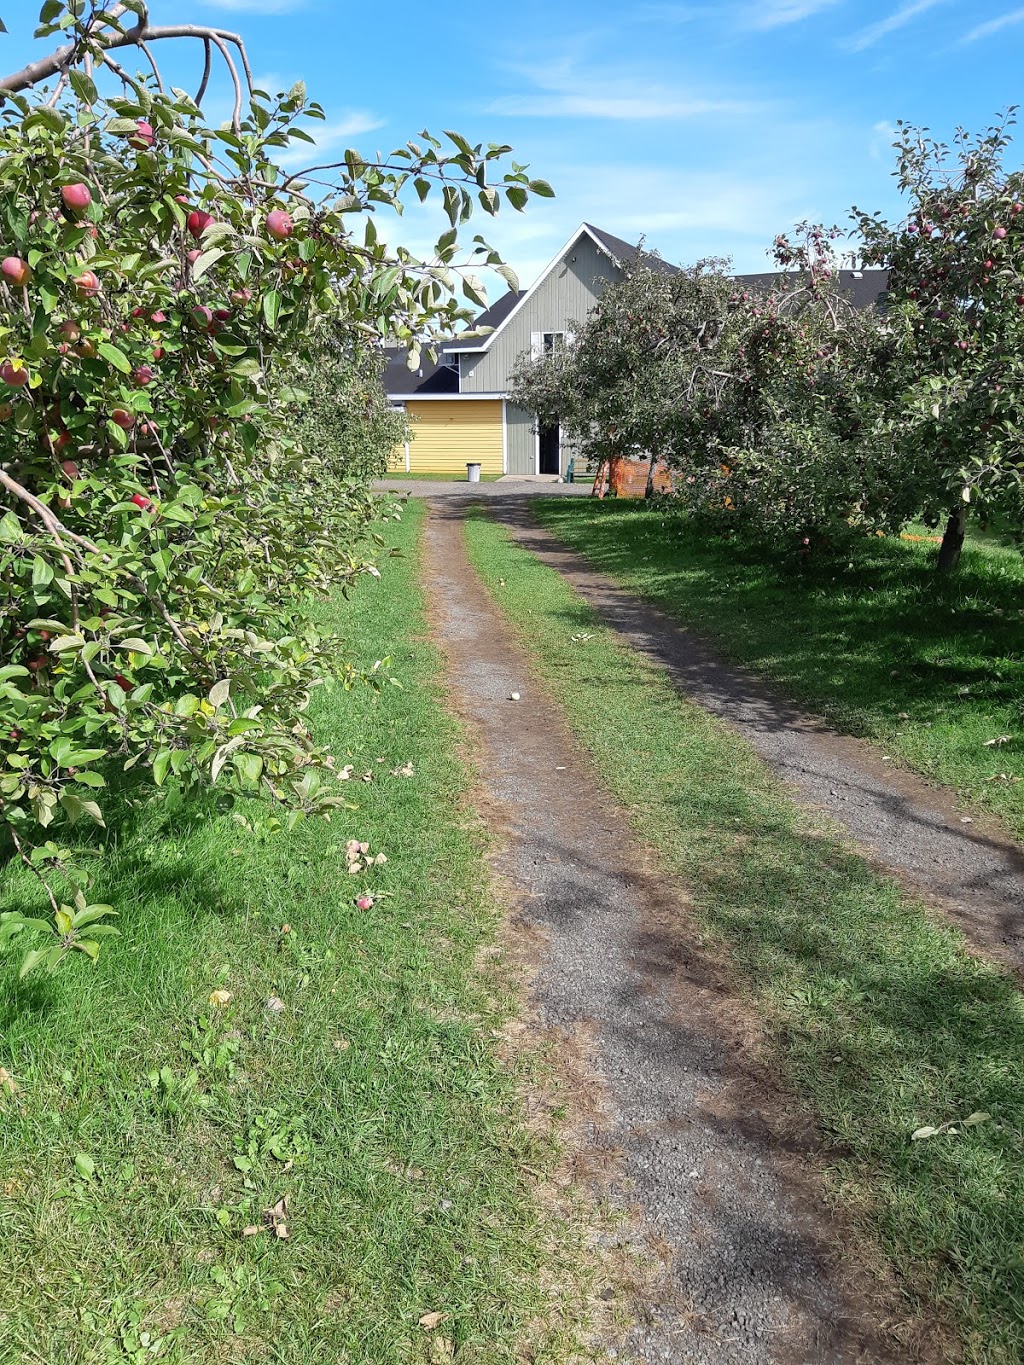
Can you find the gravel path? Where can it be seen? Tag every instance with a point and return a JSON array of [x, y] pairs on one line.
[[903, 823], [705, 1154]]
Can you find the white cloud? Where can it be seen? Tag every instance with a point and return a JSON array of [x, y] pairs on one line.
[[775, 13], [986, 30], [561, 90], [905, 14], [329, 135], [883, 136]]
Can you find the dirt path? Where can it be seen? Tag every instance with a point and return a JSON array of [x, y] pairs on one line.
[[903, 823], [702, 1143]]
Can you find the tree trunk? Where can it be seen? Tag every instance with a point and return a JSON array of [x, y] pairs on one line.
[[953, 539], [649, 490]]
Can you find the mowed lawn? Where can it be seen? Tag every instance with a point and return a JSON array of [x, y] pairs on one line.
[[877, 1021], [931, 668], [352, 1073]]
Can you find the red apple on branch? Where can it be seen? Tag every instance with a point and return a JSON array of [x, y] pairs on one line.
[[15, 270], [280, 225], [87, 283], [999, 233], [14, 376], [122, 418], [142, 375], [70, 469], [140, 501], [202, 316], [143, 138], [77, 197], [71, 332], [198, 221]]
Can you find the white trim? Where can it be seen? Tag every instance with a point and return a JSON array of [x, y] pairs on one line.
[[536, 450], [582, 231], [504, 436], [443, 397]]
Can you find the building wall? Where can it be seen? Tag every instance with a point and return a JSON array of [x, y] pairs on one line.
[[568, 293], [445, 435], [521, 437]]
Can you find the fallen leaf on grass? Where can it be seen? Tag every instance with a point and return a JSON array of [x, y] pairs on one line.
[[7, 1081], [441, 1349], [220, 1000], [952, 1126], [431, 1320], [406, 770], [342, 1044], [999, 741], [275, 1004], [274, 1220]]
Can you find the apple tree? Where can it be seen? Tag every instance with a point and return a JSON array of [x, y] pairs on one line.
[[164, 526], [956, 309]]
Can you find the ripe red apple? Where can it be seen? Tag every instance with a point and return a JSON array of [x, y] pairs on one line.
[[37, 663], [280, 225], [222, 314], [140, 501], [15, 376], [999, 233], [201, 316], [62, 439], [87, 283], [182, 199], [77, 197], [6, 412], [198, 221], [71, 332], [240, 296], [122, 682], [1017, 208], [193, 256], [143, 138], [159, 352], [86, 349], [158, 317], [1020, 300], [138, 312], [990, 265], [70, 469], [15, 270], [142, 375], [122, 418], [148, 429]]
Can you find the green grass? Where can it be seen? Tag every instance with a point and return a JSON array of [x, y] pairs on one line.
[[875, 1015], [411, 1188], [929, 668]]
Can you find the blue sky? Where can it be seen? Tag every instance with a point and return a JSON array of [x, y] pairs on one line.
[[705, 127]]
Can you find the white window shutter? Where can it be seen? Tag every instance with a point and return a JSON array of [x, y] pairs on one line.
[[536, 345]]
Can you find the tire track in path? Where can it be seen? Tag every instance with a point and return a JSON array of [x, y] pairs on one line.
[[705, 1151]]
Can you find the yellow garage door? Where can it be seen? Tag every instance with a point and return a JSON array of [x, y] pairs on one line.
[[446, 435]]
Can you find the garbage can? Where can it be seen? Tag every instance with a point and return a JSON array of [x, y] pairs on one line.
[[472, 473]]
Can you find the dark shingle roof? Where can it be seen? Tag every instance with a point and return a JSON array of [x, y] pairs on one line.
[[431, 377], [862, 287], [490, 317], [627, 255]]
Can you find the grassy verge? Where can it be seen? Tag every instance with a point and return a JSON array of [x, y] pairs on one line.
[[142, 1129], [930, 668], [876, 1015]]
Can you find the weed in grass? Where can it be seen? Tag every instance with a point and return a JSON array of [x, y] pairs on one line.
[[874, 1013], [931, 667]]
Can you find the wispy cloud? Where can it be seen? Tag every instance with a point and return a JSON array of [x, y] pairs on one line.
[[766, 14], [562, 90], [1015, 16], [903, 15], [329, 136]]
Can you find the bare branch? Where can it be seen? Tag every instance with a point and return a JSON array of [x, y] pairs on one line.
[[206, 71]]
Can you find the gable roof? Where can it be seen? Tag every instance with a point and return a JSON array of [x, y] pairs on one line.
[[431, 377], [862, 287], [627, 256]]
